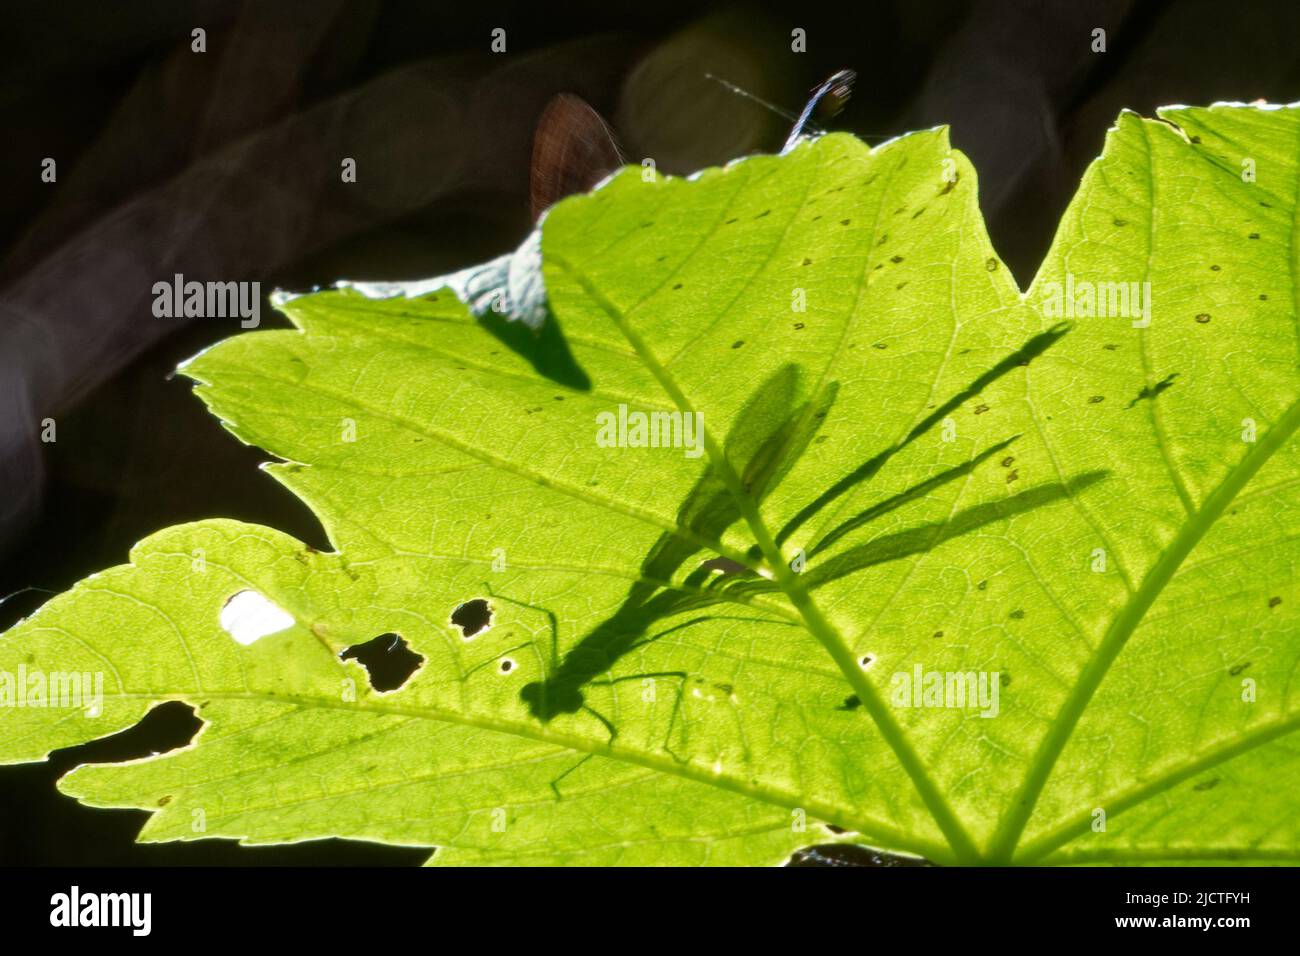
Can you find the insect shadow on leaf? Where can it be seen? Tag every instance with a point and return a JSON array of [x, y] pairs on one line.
[[768, 436], [923, 538], [926, 537], [1034, 347]]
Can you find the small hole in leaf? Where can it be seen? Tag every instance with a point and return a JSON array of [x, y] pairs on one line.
[[507, 666], [472, 617], [388, 661]]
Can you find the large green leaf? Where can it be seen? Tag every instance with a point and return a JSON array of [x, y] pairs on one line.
[[907, 464]]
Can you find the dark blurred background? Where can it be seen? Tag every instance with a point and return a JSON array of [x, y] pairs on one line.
[[225, 165]]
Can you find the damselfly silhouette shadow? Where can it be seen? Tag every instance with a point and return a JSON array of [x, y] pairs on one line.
[[770, 434]]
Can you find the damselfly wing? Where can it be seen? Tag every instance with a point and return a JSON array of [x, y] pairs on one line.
[[573, 150]]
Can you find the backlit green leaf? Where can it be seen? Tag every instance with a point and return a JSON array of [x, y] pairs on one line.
[[1081, 504]]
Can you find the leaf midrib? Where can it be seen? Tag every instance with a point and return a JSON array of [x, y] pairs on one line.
[[1133, 796], [960, 842], [1122, 627]]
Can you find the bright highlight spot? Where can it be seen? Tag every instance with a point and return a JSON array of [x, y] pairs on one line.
[[248, 617]]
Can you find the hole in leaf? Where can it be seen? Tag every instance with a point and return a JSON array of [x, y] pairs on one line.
[[388, 661], [170, 726], [472, 617]]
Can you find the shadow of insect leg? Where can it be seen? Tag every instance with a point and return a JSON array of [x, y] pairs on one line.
[[555, 784], [677, 702], [550, 617], [613, 732]]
